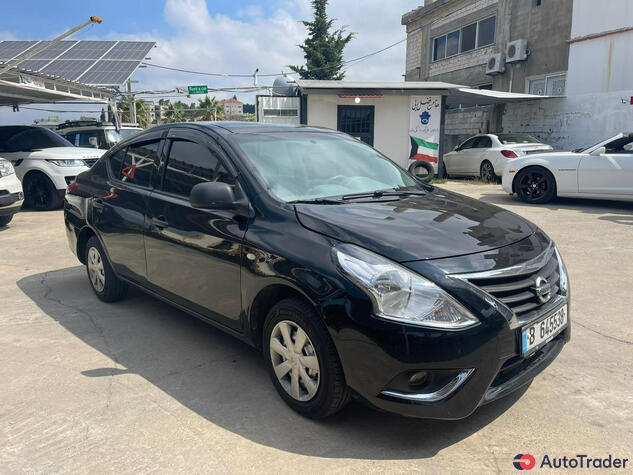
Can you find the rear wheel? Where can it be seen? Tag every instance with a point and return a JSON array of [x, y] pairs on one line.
[[302, 360], [4, 220], [422, 170], [107, 286], [40, 192], [487, 172], [535, 185]]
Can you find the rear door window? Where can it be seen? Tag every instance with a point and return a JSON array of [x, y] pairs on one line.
[[190, 163], [140, 162], [483, 142]]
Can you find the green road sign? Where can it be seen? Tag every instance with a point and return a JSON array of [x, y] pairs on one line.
[[197, 89]]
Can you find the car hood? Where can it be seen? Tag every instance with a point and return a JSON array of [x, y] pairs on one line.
[[438, 225], [81, 153]]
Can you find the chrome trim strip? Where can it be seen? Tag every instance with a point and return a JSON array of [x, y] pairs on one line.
[[526, 267], [435, 396]]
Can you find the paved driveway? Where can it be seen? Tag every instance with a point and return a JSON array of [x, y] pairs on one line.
[[139, 386]]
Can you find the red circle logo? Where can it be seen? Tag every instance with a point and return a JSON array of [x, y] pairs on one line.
[[524, 462]]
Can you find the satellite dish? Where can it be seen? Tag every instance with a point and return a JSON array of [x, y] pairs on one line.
[[284, 86]]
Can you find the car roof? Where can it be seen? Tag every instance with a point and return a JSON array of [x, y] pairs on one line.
[[236, 127]]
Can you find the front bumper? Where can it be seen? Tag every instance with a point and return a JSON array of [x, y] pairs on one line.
[[466, 368], [11, 196], [64, 176]]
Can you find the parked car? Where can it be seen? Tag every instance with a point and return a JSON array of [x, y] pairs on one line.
[[45, 162], [601, 171], [486, 155], [353, 277], [11, 196], [95, 134]]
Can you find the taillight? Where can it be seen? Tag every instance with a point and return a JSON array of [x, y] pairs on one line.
[[71, 187], [509, 153]]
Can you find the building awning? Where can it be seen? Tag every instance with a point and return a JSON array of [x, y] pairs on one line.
[[308, 86], [466, 95]]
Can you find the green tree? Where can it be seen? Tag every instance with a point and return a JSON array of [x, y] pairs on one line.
[[175, 112], [209, 109], [323, 49]]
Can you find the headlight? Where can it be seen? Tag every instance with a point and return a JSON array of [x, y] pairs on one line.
[[6, 168], [399, 294], [68, 163], [562, 272]]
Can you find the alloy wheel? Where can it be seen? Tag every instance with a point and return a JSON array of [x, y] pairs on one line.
[[294, 360], [96, 270], [38, 193], [487, 172], [533, 185]]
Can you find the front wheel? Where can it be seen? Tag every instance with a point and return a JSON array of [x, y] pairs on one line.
[[105, 284], [302, 360], [535, 185], [40, 192]]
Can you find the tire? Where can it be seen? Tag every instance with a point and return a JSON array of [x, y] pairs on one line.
[[422, 171], [331, 393], [4, 220], [105, 284], [535, 185], [40, 193], [487, 172]]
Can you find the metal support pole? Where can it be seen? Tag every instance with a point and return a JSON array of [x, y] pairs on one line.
[[441, 171], [132, 102], [93, 19]]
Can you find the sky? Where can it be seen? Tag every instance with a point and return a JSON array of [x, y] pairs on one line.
[[224, 36]]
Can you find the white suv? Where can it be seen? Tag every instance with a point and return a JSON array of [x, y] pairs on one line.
[[94, 134], [11, 196], [45, 162]]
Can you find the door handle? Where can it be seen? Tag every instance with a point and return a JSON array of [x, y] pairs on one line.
[[160, 222]]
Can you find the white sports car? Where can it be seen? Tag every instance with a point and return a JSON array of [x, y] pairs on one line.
[[602, 171], [486, 155]]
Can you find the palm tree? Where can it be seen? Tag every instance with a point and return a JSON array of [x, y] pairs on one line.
[[175, 112], [209, 109]]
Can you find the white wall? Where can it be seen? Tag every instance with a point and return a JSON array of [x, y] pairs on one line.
[[600, 64], [391, 121], [574, 121]]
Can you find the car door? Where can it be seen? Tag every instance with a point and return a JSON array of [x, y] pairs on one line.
[[119, 212], [456, 162], [194, 255], [610, 173], [481, 149]]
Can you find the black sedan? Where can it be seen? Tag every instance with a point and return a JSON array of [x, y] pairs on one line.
[[354, 279]]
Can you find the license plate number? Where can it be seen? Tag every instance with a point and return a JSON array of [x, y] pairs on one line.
[[544, 330]]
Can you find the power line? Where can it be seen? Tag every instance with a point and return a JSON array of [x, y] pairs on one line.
[[276, 74]]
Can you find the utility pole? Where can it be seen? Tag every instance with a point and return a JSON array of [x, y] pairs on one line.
[[132, 101], [11, 65]]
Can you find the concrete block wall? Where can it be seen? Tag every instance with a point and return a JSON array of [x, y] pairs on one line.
[[462, 61]]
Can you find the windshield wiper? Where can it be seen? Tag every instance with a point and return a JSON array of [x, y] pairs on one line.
[[384, 193], [317, 201]]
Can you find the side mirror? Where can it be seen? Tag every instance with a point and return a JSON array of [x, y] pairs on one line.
[[217, 195], [599, 151], [93, 141]]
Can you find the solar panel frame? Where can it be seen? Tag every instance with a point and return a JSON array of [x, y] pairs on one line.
[[109, 72], [34, 64], [68, 69], [88, 50], [54, 51], [129, 50]]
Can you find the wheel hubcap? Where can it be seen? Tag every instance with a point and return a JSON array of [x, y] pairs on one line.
[[533, 185], [294, 360], [95, 269]]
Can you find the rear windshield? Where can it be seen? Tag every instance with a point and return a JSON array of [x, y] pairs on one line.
[[508, 139], [26, 139]]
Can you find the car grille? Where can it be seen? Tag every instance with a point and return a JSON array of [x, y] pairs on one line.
[[517, 291]]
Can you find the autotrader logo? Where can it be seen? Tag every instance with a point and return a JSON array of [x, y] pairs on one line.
[[524, 462]]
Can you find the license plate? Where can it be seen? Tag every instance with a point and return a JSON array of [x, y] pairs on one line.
[[544, 330]]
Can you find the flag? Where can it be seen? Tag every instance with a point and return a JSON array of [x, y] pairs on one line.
[[424, 150]]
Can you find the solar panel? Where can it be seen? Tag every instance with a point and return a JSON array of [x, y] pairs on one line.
[[110, 73], [53, 51], [9, 49], [68, 69], [133, 50], [88, 50], [99, 63]]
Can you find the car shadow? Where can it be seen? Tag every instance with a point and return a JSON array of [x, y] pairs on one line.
[[577, 204], [225, 381]]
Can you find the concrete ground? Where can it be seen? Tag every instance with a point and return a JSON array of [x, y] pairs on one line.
[[138, 386]]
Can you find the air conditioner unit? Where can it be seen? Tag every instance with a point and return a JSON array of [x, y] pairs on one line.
[[516, 50], [496, 64]]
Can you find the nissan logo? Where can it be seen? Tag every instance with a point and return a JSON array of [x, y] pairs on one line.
[[542, 289]]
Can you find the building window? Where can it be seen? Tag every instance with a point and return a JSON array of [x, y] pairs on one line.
[[475, 35], [553, 85], [281, 112], [537, 3]]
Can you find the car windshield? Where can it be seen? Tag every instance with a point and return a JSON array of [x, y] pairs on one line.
[[26, 139], [509, 139], [296, 166], [113, 137]]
